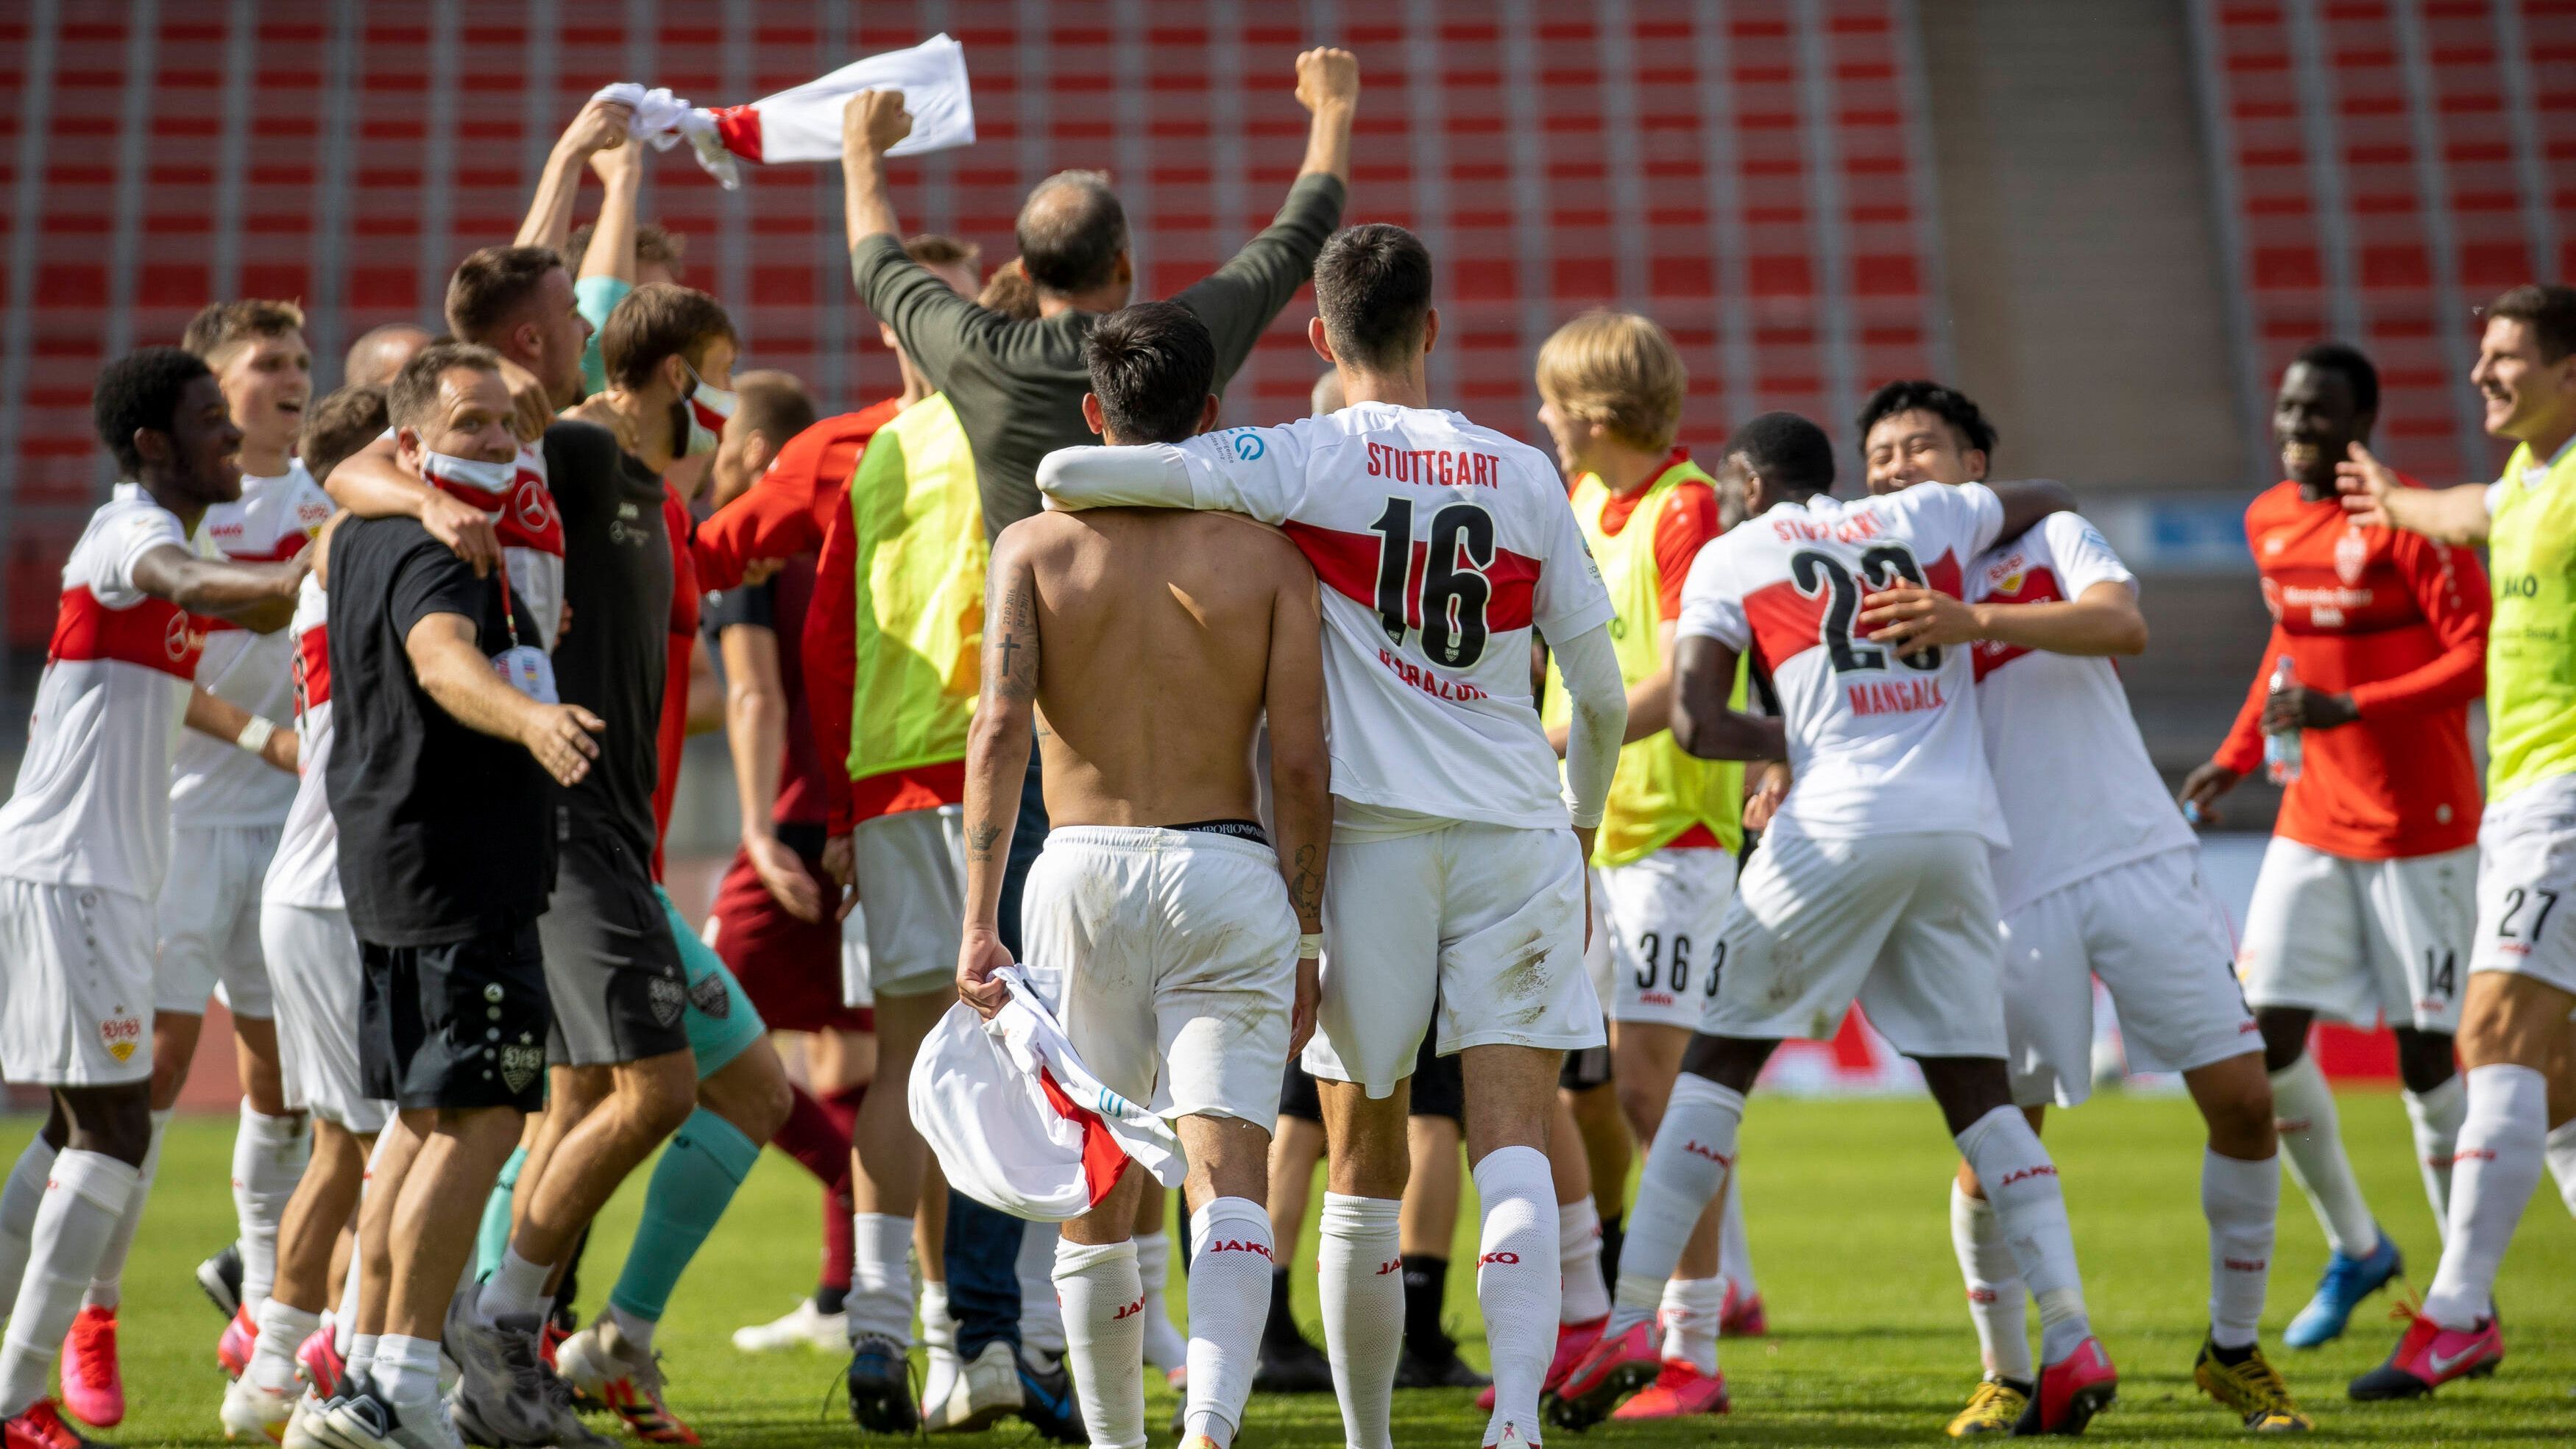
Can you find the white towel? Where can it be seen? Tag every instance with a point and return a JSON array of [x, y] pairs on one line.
[[1019, 1122], [803, 123]]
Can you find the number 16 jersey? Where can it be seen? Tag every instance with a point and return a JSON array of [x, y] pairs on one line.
[[1879, 744], [1439, 545]]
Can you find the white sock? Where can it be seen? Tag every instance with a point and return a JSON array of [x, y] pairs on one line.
[[106, 1288], [1516, 1283], [344, 1319], [85, 1195], [1104, 1338], [269, 1154], [1693, 1155], [1041, 1317], [1692, 1307], [1359, 1275], [2303, 1107], [407, 1370], [1734, 1253], [2560, 1148], [1578, 1262], [938, 1329], [20, 1197], [1229, 1302], [2499, 1164], [2021, 1182], [1164, 1346], [2242, 1200], [2436, 1117], [1995, 1292], [637, 1331], [881, 1295], [516, 1286], [282, 1330], [360, 1361]]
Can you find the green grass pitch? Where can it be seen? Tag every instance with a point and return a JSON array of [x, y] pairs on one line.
[[1847, 1206]]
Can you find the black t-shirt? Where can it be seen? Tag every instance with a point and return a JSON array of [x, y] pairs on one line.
[[613, 657], [444, 830]]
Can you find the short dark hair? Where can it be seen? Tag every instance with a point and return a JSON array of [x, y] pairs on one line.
[[138, 391], [1072, 244], [1373, 290], [340, 425], [491, 286], [1916, 394], [2347, 362], [939, 249], [654, 242], [219, 327], [414, 392], [1010, 292], [2549, 311], [656, 322], [774, 405], [1152, 367], [1786, 451]]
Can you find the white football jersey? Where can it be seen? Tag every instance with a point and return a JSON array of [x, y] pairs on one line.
[[2078, 790], [305, 871], [1880, 744], [213, 782], [92, 805], [1440, 545]]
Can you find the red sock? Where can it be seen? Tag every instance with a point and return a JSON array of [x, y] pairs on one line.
[[821, 1144]]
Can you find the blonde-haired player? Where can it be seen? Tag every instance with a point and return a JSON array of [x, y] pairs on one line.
[[1664, 863]]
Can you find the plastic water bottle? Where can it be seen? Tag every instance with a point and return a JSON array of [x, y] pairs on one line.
[[2282, 752]]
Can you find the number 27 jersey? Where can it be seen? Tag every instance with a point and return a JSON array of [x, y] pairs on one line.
[[1879, 744], [1439, 545]]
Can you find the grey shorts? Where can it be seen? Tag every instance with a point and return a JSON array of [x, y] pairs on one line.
[[619, 991]]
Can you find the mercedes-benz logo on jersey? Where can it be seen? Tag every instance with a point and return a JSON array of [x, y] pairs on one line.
[[175, 637], [534, 505], [1248, 445]]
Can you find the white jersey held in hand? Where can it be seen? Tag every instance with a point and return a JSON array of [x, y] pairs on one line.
[[212, 782], [1879, 744], [1440, 546], [2073, 775]]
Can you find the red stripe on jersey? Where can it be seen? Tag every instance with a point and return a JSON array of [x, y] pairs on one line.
[[1785, 622], [313, 667], [1102, 1158], [529, 519], [1347, 563], [1942, 574], [2031, 586], [739, 128], [155, 634]]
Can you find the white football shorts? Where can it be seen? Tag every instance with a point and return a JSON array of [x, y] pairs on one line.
[[2152, 932], [911, 872], [2526, 879], [1655, 932], [209, 920], [313, 957], [76, 997], [1170, 956], [1903, 924], [1482, 924], [2360, 940]]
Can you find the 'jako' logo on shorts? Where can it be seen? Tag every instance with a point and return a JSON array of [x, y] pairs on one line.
[[121, 1035]]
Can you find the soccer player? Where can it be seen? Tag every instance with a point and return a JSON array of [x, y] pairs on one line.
[[2522, 964], [1457, 867], [1871, 883], [312, 955], [1174, 940], [1664, 862], [444, 739], [2102, 880], [2363, 908], [85, 843]]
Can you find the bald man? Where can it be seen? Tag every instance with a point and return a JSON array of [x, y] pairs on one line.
[[375, 358]]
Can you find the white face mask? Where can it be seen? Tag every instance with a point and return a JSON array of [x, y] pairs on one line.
[[708, 407], [493, 479]]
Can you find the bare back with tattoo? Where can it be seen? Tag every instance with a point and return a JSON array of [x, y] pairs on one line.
[[1148, 637]]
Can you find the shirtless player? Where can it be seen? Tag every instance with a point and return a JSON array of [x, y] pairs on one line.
[[1155, 640]]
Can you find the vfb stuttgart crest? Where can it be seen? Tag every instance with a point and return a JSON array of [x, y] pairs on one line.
[[664, 995], [2352, 555], [121, 1034], [520, 1062]]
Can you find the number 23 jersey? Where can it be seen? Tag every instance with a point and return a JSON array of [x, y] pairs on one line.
[[1439, 544], [1879, 744]]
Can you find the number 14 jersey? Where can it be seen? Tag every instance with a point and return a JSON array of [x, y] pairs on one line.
[[1439, 545], [1879, 744]]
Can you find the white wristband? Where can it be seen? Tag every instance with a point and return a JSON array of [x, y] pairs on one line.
[[1310, 945], [254, 736]]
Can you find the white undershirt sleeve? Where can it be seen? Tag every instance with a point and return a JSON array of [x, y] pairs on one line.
[[1151, 476], [1590, 665]]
